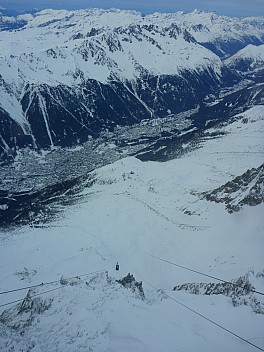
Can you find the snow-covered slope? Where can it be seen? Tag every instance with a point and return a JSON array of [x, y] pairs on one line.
[[68, 75], [129, 209]]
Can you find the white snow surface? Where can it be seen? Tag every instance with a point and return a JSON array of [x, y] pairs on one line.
[[132, 209]]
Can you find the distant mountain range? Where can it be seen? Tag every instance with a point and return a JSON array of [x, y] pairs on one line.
[[14, 13], [67, 76]]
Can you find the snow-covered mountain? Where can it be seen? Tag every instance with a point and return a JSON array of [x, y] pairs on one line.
[[247, 60], [66, 76], [130, 211], [221, 34], [138, 140]]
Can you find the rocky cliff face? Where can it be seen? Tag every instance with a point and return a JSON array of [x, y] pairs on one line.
[[246, 189], [240, 290]]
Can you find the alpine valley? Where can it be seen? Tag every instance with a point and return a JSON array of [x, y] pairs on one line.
[[139, 140]]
